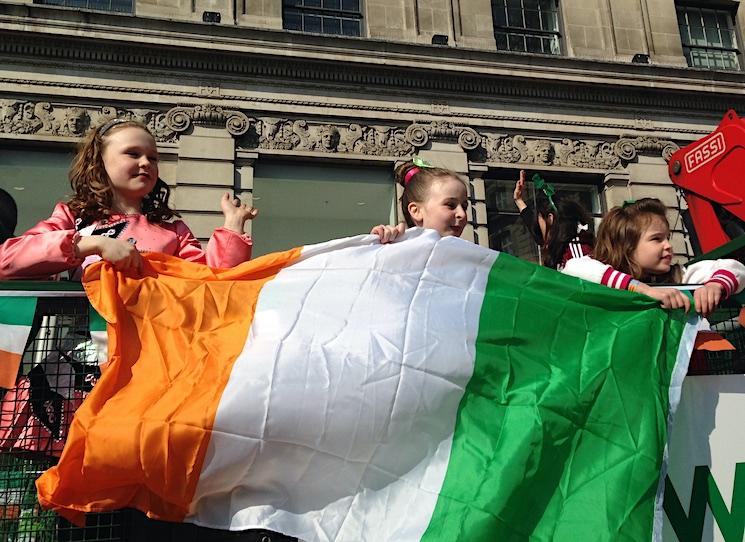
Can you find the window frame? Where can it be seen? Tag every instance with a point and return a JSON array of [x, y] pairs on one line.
[[560, 179], [726, 8], [320, 11], [527, 32], [75, 4]]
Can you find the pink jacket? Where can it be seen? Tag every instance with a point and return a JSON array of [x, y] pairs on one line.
[[48, 248]]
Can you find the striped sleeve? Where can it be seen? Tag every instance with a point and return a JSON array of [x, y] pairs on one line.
[[590, 269], [729, 274]]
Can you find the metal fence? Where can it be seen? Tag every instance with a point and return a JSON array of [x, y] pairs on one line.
[[59, 368]]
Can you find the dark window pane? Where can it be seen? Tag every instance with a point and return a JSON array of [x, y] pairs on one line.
[[331, 25], [530, 4], [292, 20], [532, 19], [533, 44], [501, 38], [350, 27], [312, 23], [516, 42], [351, 5], [331, 4], [500, 16], [549, 21], [291, 3], [515, 17], [312, 3]]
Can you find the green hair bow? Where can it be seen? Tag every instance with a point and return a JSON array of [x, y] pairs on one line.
[[547, 188], [418, 162]]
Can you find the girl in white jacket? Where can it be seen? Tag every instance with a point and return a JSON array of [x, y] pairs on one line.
[[633, 250]]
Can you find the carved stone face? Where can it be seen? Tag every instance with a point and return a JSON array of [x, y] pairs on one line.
[[543, 151], [76, 118], [381, 137], [28, 111], [330, 138]]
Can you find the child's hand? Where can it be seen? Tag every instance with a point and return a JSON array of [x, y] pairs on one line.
[[388, 234], [707, 297], [517, 195], [236, 213], [120, 254], [669, 298]]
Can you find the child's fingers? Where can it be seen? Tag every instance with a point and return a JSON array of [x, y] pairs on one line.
[[522, 177]]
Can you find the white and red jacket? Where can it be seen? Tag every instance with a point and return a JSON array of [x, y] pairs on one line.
[[49, 247], [730, 274]]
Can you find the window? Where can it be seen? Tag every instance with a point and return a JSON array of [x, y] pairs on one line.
[[341, 17], [121, 6], [708, 37], [36, 180], [530, 26], [305, 203], [507, 232]]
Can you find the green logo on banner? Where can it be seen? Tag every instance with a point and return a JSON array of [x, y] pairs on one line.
[[690, 527]]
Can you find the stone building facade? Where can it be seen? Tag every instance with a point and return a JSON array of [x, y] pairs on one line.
[[308, 126]]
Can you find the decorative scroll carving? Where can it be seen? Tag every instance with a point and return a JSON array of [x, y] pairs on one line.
[[590, 154], [628, 148], [419, 134], [44, 118], [180, 118], [274, 133]]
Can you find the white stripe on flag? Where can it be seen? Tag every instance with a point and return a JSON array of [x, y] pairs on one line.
[[13, 338], [382, 374]]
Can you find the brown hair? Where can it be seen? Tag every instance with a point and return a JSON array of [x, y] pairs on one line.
[[416, 186], [93, 194], [619, 234]]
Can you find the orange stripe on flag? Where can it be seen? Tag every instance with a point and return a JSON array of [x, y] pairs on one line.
[[9, 363], [148, 415]]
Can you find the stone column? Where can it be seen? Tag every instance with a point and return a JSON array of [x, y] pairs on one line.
[[649, 179], [666, 47], [205, 171], [244, 180], [474, 25], [588, 29], [479, 231], [616, 188]]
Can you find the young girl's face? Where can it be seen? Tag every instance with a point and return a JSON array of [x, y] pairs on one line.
[[654, 253], [130, 157], [444, 209]]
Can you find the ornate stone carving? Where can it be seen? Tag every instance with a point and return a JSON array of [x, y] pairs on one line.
[[591, 154], [419, 134], [628, 148], [273, 133], [44, 118], [180, 118]]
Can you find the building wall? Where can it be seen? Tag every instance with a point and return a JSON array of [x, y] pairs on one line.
[[223, 97]]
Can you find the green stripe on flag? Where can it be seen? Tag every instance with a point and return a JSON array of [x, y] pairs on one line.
[[561, 428], [95, 320], [17, 311]]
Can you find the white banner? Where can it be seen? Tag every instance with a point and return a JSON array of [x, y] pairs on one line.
[[705, 492]]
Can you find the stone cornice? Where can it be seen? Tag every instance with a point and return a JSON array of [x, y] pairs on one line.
[[42, 34]]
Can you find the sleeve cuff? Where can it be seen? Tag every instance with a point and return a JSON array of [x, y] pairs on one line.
[[726, 279], [616, 279]]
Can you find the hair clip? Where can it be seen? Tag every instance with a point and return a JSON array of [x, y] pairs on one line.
[[547, 188], [109, 125], [628, 202], [421, 163], [582, 227]]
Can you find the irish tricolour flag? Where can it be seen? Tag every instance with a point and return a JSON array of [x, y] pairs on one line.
[[17, 310], [426, 390]]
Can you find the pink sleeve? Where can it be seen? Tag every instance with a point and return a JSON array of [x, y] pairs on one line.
[[226, 248], [45, 249], [189, 247]]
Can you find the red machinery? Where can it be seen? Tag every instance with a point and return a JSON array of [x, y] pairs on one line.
[[711, 173]]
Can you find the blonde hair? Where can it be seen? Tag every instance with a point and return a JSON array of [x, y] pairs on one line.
[[93, 195], [619, 235], [417, 181]]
